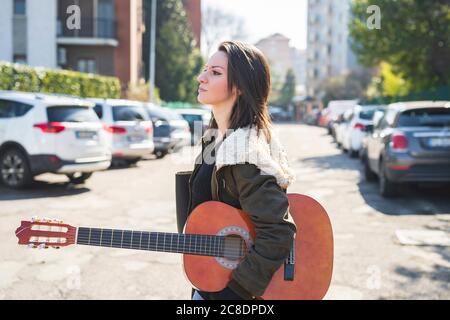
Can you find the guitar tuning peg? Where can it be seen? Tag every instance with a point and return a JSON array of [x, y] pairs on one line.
[[30, 246], [35, 219], [56, 247], [41, 246]]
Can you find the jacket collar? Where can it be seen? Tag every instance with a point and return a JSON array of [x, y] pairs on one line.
[[245, 145]]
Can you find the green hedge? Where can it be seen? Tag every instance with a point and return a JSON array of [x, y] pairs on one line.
[[24, 78]]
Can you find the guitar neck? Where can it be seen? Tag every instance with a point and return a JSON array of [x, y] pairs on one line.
[[195, 244]]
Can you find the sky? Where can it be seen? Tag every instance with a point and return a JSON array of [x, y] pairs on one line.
[[266, 17]]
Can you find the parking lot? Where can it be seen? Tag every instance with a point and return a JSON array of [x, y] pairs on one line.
[[373, 259]]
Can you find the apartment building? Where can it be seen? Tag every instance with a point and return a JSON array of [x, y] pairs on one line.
[[283, 57], [328, 49], [96, 36]]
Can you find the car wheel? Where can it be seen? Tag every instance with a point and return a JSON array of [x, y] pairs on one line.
[[79, 177], [387, 188], [14, 169], [133, 161], [368, 173], [160, 154], [353, 153]]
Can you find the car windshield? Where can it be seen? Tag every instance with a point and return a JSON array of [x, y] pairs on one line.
[[192, 117], [163, 114], [425, 117], [129, 113], [71, 114], [367, 114]]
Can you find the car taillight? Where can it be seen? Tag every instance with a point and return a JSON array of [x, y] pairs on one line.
[[359, 126], [115, 129], [51, 127], [399, 142], [149, 130], [54, 159]]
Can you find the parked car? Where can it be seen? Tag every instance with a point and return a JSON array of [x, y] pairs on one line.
[[377, 116], [47, 134], [411, 143], [313, 117], [335, 109], [198, 120], [340, 126], [354, 130], [130, 127], [278, 114], [171, 131]]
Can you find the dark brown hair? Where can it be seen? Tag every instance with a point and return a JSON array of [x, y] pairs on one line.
[[248, 71]]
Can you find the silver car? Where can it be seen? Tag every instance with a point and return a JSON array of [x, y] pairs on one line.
[[130, 127]]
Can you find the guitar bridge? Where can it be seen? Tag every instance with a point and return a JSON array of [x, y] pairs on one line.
[[289, 264]]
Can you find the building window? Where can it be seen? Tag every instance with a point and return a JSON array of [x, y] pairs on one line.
[[316, 73], [87, 65], [19, 7], [20, 58]]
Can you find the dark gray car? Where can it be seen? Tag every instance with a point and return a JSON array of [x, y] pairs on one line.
[[411, 143]]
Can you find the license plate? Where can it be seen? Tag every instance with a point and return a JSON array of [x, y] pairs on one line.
[[135, 138], [439, 142], [87, 135]]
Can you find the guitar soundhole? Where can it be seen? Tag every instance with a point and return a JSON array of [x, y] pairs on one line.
[[235, 247]]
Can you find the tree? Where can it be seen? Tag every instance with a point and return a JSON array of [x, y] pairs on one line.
[[288, 90], [414, 38], [218, 25], [178, 61], [352, 85]]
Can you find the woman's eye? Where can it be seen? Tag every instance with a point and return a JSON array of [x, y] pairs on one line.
[[216, 73]]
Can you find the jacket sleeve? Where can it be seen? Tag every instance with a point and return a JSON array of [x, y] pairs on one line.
[[267, 205]]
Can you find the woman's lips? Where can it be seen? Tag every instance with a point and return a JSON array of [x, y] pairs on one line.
[[201, 90]]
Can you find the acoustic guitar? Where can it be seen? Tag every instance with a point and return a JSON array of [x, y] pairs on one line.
[[213, 247]]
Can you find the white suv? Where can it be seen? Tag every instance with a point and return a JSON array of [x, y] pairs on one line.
[[42, 133], [130, 127]]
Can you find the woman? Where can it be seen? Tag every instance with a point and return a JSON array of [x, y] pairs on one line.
[[242, 164]]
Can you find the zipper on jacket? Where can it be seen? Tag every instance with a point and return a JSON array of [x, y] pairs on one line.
[[217, 184]]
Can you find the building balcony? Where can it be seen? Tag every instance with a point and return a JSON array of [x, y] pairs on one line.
[[92, 31]]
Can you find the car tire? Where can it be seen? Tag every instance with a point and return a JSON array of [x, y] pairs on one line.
[[15, 170], [160, 154], [368, 173], [353, 153], [387, 188], [133, 161], [79, 178]]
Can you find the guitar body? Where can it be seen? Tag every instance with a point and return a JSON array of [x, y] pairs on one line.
[[313, 250]]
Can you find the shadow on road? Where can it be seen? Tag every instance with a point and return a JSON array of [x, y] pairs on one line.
[[42, 189], [437, 274], [411, 200]]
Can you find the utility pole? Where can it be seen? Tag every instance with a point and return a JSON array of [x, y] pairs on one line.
[[152, 52]]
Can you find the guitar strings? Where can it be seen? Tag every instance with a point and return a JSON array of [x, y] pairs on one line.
[[234, 248]]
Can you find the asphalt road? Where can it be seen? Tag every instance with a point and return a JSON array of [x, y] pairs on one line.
[[371, 261]]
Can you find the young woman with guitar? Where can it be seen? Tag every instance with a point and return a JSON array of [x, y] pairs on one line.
[[238, 165]]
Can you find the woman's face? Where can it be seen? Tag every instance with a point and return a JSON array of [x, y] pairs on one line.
[[213, 82]]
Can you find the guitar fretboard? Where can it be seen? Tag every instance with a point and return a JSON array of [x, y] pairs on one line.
[[205, 245]]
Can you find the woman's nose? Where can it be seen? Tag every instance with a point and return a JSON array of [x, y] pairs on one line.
[[201, 77]]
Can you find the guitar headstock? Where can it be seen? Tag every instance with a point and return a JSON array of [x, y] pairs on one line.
[[45, 233]]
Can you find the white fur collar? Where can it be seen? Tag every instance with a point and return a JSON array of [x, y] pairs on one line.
[[244, 145]]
